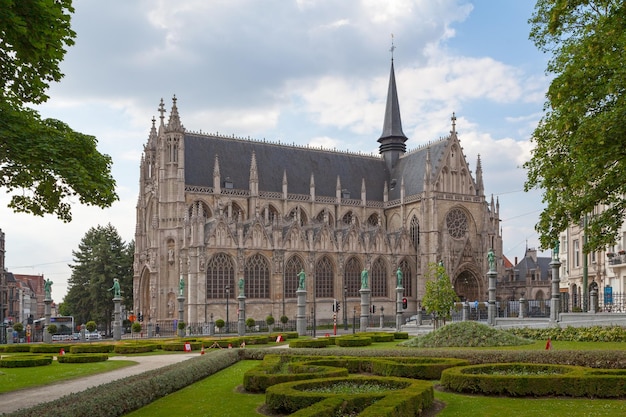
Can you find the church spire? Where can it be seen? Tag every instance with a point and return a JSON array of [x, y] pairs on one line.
[[392, 139], [174, 122]]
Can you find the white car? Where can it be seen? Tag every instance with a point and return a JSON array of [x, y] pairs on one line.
[[92, 336]]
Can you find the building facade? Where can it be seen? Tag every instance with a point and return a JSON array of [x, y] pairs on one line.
[[603, 271], [215, 212]]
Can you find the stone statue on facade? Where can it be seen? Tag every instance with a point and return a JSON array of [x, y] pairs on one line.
[[301, 279], [399, 278], [364, 278]]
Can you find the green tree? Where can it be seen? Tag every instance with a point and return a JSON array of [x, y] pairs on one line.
[[439, 297], [43, 162], [579, 158], [101, 257]]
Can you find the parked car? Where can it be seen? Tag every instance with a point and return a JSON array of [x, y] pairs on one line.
[[93, 336], [412, 319]]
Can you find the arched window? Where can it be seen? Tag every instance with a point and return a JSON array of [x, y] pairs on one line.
[[257, 277], [324, 278], [220, 273], [415, 232], [373, 220], [352, 276], [378, 277], [292, 268], [407, 278]]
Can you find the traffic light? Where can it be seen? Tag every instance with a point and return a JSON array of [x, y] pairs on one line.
[[405, 303], [373, 309], [337, 306], [140, 317]]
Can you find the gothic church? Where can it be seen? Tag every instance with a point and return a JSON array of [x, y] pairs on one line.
[[214, 209]]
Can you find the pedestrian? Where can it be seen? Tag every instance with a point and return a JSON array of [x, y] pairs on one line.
[[158, 330]]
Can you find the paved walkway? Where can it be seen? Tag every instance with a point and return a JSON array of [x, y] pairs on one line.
[[15, 400]]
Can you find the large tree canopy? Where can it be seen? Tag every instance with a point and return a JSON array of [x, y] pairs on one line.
[[579, 160], [43, 161], [101, 257]]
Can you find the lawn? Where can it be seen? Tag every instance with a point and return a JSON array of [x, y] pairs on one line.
[[18, 378]]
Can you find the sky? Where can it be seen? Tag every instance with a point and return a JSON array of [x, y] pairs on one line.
[[297, 71]]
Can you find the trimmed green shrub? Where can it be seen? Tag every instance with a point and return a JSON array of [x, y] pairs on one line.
[[352, 341], [25, 361], [573, 334], [48, 348], [401, 335], [19, 347], [275, 370], [180, 346], [529, 379], [92, 348], [129, 348], [358, 394], [91, 326], [82, 358], [309, 343], [466, 334]]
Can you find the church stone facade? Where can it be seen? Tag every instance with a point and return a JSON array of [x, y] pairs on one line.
[[216, 211]]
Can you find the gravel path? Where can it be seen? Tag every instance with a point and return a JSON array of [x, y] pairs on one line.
[[15, 400]]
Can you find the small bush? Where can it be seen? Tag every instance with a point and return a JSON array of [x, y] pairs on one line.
[[466, 334], [92, 348], [352, 341], [129, 348], [25, 361], [308, 343], [49, 348], [82, 358], [18, 347]]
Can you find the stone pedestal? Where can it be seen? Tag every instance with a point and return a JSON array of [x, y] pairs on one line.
[[9, 335], [117, 318], [555, 299], [365, 307], [491, 306], [181, 302], [593, 301], [301, 313], [399, 294], [466, 310], [150, 330], [211, 326], [523, 308], [241, 323], [47, 337]]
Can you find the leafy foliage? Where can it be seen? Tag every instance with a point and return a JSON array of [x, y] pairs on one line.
[[579, 160], [44, 161], [439, 296], [466, 334], [101, 257]]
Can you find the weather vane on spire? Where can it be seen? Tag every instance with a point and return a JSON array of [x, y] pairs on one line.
[[392, 47]]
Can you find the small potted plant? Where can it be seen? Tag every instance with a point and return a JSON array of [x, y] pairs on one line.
[[270, 322]]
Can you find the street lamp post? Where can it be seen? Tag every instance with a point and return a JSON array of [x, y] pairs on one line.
[[227, 297], [345, 308]]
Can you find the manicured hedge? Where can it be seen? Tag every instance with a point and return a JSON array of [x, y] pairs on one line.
[[309, 343], [405, 397], [48, 348], [19, 347], [25, 361], [526, 379], [378, 337], [353, 341], [276, 369], [401, 335], [82, 357], [180, 346], [128, 348], [93, 348]]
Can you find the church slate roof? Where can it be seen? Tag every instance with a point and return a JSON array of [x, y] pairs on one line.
[[235, 156]]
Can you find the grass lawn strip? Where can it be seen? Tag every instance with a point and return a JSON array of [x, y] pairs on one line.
[[216, 395], [12, 379]]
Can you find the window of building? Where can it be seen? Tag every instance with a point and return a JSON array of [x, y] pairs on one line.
[[407, 278], [352, 276], [292, 268], [415, 232], [324, 278], [378, 278], [220, 274], [576, 253], [257, 277]]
